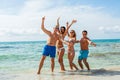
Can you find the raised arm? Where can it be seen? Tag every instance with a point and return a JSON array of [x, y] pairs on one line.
[[43, 28], [73, 21], [69, 25], [57, 26], [62, 40]]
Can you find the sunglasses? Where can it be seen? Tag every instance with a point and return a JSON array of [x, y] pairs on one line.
[[71, 32]]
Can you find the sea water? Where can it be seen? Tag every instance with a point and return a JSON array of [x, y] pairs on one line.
[[25, 56]]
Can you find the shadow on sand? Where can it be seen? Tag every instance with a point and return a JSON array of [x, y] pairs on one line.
[[94, 72], [77, 75]]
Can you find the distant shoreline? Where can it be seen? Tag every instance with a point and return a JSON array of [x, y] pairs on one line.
[[45, 40]]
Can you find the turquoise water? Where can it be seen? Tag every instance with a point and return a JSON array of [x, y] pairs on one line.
[[25, 56]]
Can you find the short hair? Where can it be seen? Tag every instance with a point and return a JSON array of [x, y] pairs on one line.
[[85, 31], [63, 27]]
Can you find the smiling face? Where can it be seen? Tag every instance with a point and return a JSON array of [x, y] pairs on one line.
[[55, 30], [72, 33], [62, 30], [84, 33]]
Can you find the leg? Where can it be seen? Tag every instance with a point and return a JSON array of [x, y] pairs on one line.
[[72, 58], [75, 66], [41, 64], [58, 53], [86, 63], [52, 55], [60, 59], [52, 64], [80, 63], [70, 61]]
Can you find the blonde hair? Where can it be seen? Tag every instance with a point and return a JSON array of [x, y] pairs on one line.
[[74, 36]]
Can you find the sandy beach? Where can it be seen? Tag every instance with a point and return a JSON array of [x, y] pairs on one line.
[[33, 32], [111, 73]]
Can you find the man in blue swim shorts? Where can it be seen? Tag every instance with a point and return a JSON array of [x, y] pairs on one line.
[[83, 55], [49, 49]]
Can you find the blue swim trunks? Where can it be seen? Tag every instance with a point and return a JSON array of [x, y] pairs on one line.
[[83, 54], [49, 50]]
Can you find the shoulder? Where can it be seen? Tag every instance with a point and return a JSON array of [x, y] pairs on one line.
[[81, 39], [50, 33], [88, 39], [57, 36]]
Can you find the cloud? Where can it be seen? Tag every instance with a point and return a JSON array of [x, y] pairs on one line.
[[110, 29], [28, 19], [18, 32], [33, 6]]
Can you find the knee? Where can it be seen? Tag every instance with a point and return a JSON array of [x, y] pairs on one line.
[[52, 62], [79, 61], [70, 62], [84, 61], [60, 60], [43, 58]]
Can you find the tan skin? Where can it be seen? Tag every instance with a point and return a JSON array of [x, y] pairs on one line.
[[59, 44], [53, 37], [71, 51], [84, 43]]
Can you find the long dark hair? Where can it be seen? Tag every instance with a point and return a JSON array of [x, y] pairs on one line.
[[63, 28]]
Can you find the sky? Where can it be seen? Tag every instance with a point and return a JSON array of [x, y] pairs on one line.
[[20, 20]]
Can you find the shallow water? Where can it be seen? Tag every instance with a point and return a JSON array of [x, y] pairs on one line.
[[25, 56]]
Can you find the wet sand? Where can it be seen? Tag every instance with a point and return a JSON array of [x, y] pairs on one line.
[[111, 73]]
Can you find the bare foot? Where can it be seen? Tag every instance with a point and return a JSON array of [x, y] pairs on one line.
[[63, 70], [38, 72], [88, 69]]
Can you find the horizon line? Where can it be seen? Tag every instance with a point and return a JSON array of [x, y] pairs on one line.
[[46, 40]]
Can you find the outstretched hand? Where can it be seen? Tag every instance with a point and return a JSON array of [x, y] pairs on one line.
[[67, 23], [74, 21], [94, 45], [58, 19]]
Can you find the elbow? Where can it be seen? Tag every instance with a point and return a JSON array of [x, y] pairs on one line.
[[42, 27]]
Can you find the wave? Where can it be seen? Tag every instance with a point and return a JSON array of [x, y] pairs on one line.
[[13, 57], [97, 55], [104, 54], [114, 53], [8, 47]]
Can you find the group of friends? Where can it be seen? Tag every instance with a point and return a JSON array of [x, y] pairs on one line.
[[55, 43]]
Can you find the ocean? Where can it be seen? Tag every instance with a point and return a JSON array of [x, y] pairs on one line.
[[18, 57]]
